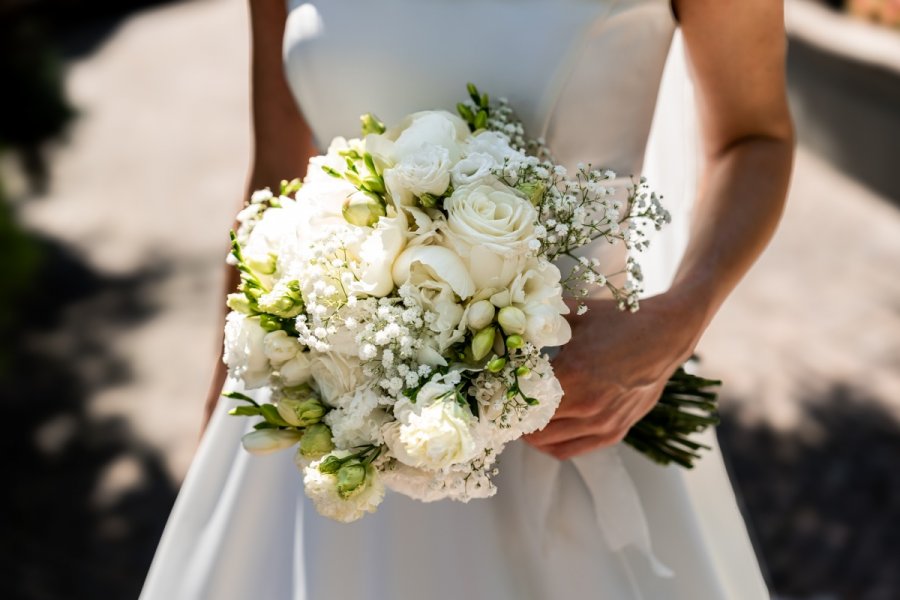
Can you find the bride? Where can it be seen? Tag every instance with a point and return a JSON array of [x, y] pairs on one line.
[[577, 514]]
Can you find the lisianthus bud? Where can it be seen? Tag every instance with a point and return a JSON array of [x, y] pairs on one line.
[[316, 441], [238, 303], [351, 478], [514, 342], [330, 465], [481, 314], [301, 413], [266, 441], [512, 320], [483, 342], [533, 190], [261, 264], [362, 209], [284, 301]]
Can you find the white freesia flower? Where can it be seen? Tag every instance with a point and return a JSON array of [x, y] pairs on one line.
[[489, 225], [378, 253], [322, 490], [419, 264], [537, 292], [267, 441], [245, 350]]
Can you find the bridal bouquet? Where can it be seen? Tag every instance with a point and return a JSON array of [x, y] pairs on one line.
[[395, 305]]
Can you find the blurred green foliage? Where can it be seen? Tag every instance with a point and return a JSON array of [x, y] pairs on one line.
[[33, 111]]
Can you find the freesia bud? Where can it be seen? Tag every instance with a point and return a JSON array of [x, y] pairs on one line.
[[534, 191], [284, 301], [481, 314], [362, 209], [496, 365], [351, 478], [238, 303], [483, 342], [523, 371], [371, 124], [316, 441], [514, 342], [263, 264], [266, 441], [301, 413], [512, 320]]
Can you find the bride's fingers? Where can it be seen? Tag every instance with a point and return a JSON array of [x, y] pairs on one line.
[[559, 430]]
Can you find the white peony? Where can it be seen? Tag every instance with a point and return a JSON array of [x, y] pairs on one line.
[[245, 350], [435, 438], [297, 370], [322, 490], [489, 225], [335, 375]]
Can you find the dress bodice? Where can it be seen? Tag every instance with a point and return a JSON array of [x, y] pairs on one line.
[[582, 73]]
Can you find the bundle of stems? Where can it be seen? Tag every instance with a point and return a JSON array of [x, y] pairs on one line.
[[687, 406]]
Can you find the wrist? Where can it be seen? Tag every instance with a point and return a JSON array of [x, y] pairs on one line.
[[689, 308]]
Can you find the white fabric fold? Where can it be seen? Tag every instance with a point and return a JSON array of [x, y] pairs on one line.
[[617, 504]]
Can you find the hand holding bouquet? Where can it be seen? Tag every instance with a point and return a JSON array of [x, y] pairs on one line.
[[396, 304]]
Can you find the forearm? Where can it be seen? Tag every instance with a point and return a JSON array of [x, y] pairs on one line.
[[740, 202]]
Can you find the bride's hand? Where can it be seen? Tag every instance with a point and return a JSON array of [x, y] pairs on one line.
[[614, 370]]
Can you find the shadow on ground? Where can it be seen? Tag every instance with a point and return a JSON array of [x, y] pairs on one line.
[[823, 500], [89, 499]]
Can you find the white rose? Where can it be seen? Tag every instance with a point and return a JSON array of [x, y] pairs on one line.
[[245, 350], [279, 347], [489, 226], [297, 370], [378, 253], [335, 375], [437, 437]]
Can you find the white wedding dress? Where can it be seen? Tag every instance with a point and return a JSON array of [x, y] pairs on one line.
[[607, 525]]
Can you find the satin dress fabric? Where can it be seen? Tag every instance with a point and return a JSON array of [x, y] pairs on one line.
[[604, 82]]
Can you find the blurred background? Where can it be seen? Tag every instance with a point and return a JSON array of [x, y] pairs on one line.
[[124, 141]]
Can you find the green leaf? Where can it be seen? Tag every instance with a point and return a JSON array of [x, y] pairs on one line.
[[240, 396], [245, 411], [270, 414]]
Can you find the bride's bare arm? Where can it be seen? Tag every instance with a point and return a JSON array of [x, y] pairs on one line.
[[616, 365], [282, 142]]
